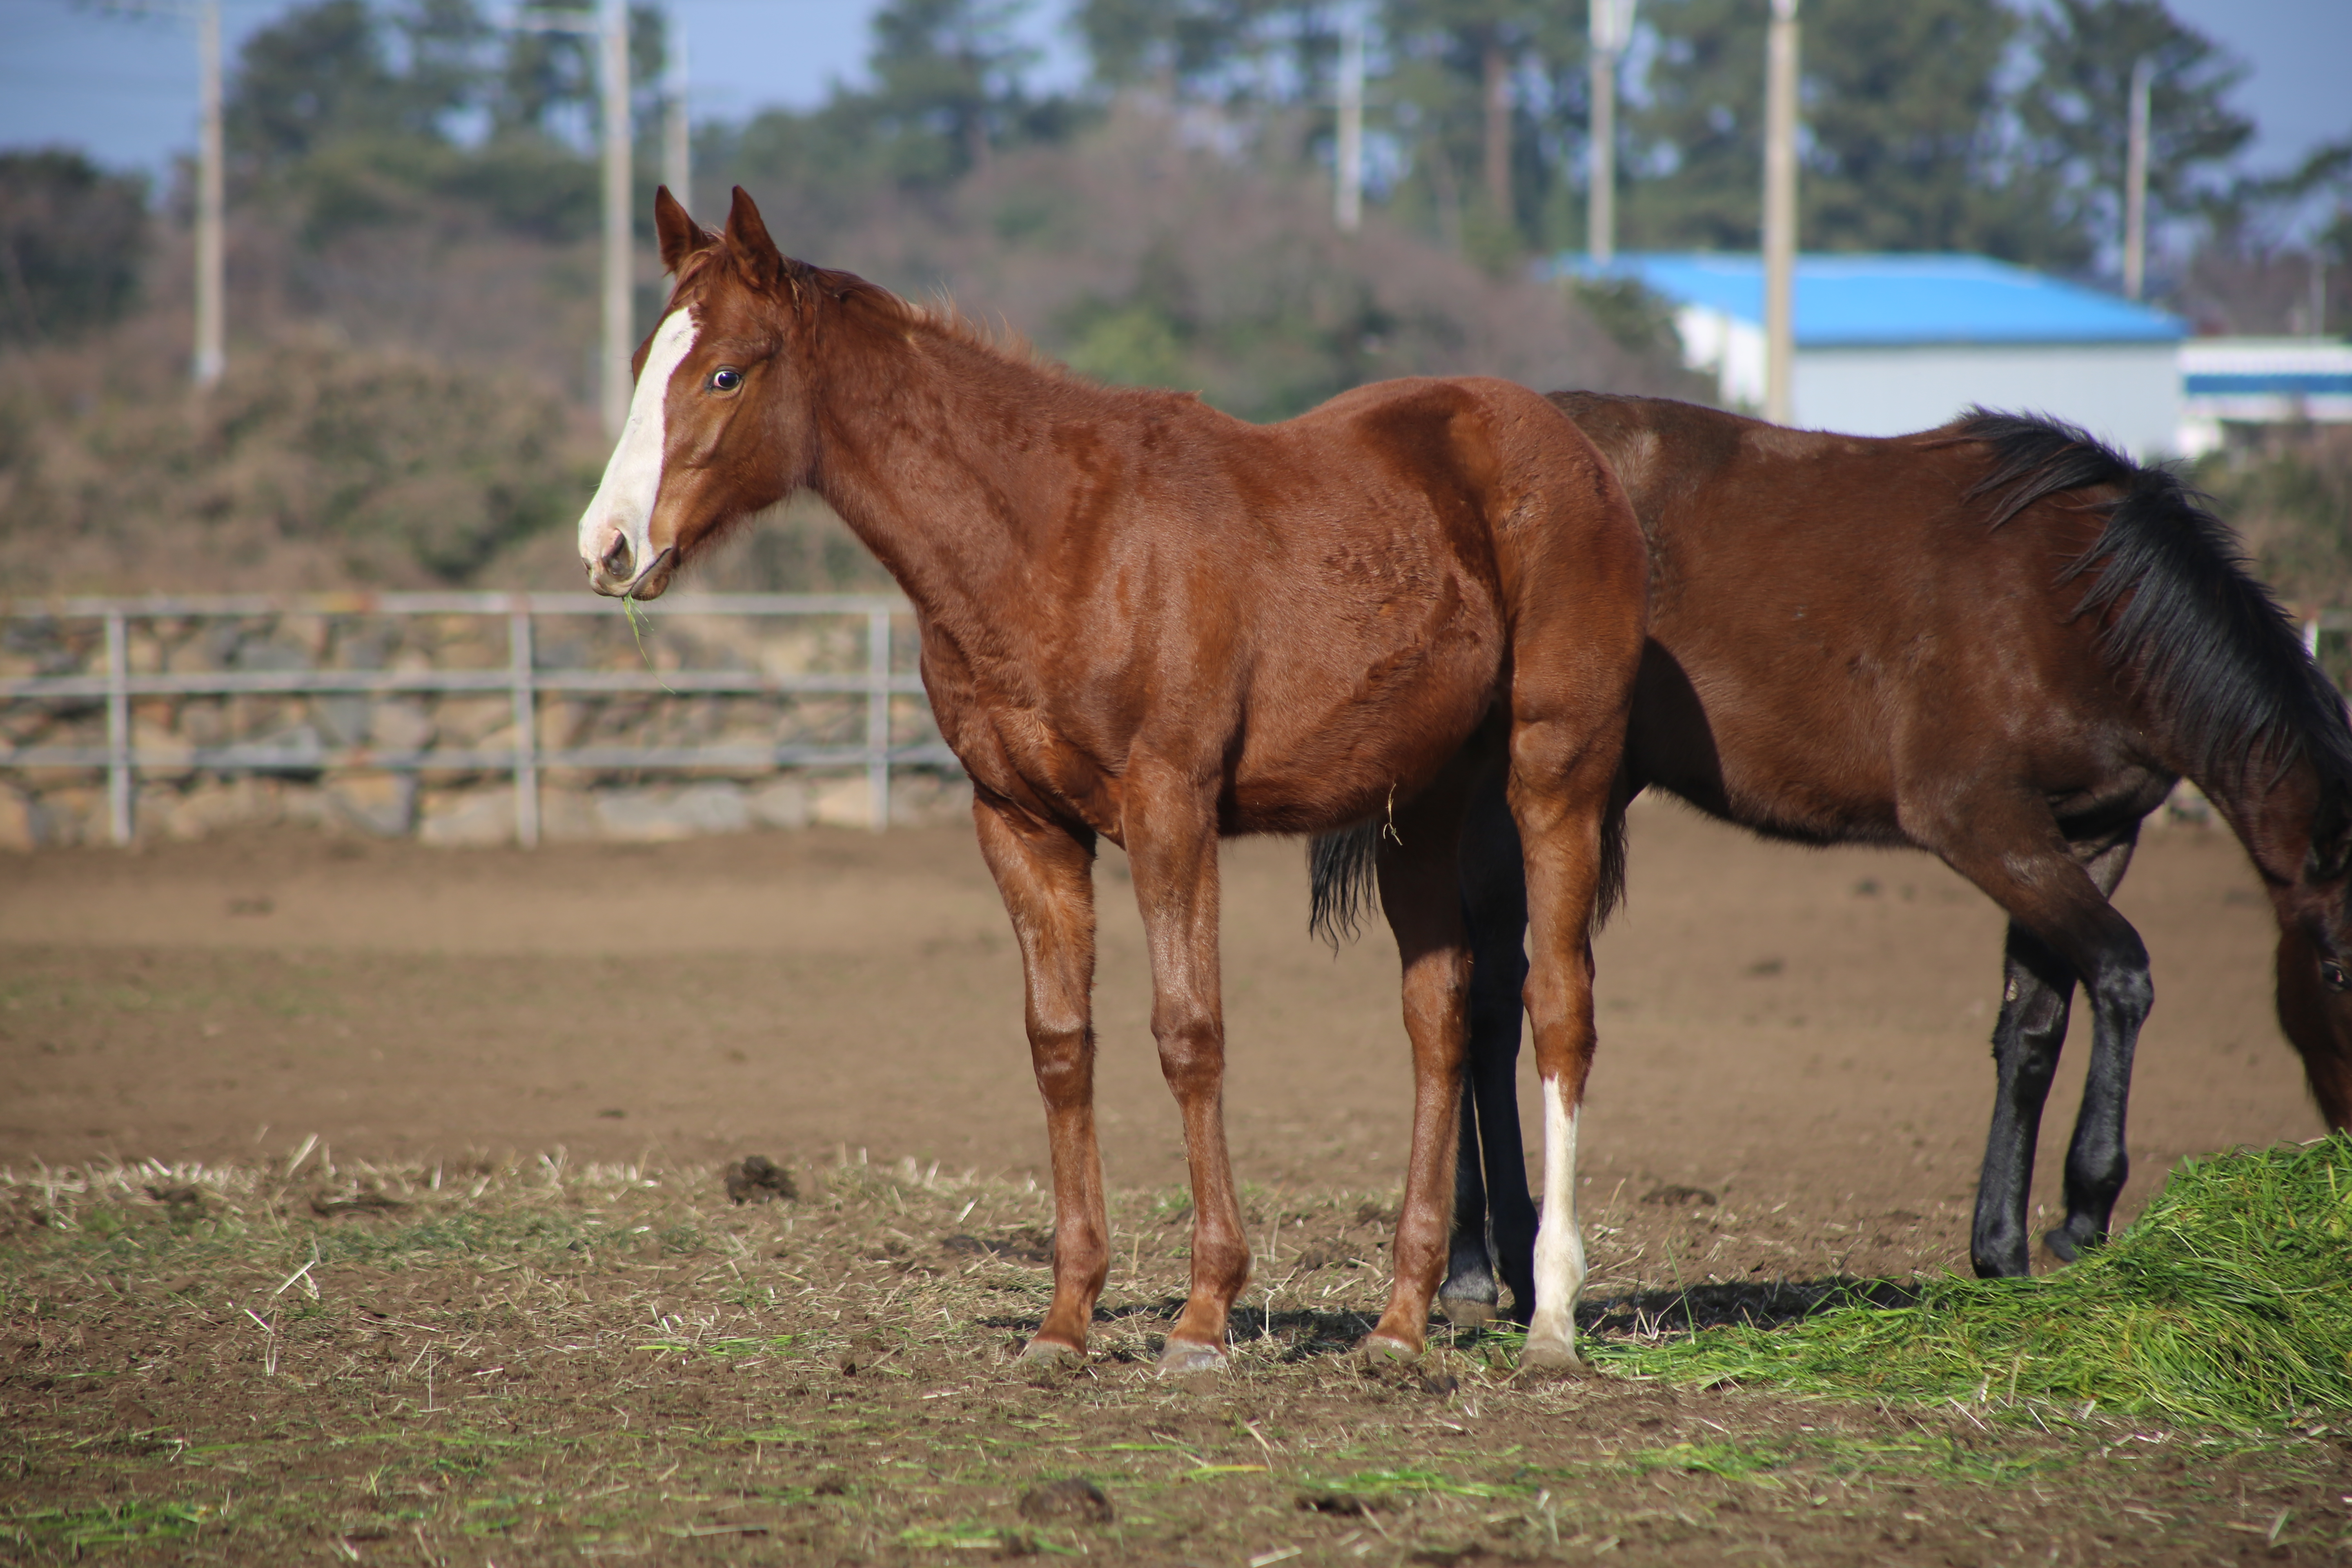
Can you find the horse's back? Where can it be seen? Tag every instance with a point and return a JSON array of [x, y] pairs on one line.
[[1834, 616]]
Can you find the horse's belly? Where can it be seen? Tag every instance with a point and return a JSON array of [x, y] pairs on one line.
[[1311, 762]]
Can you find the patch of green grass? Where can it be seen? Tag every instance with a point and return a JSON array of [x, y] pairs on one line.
[[1715, 1458], [2225, 1305], [108, 1524], [1374, 1485]]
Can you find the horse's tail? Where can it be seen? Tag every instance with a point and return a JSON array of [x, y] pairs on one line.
[[2187, 626], [1343, 873], [1611, 892]]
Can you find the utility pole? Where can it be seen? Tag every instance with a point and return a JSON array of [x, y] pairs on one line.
[[1781, 213], [211, 358], [1496, 65], [619, 334], [1612, 29], [2136, 182], [678, 139], [1347, 196], [610, 27]]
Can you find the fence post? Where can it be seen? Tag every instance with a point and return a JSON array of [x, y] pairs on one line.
[[118, 725], [526, 722], [878, 716]]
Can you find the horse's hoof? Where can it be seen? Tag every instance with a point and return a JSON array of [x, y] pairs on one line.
[[1552, 1359], [1191, 1359], [1386, 1360], [2060, 1245], [1467, 1312], [1047, 1359]]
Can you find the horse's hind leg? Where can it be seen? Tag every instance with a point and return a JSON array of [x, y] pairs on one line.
[[1047, 878], [1470, 1295], [1171, 843], [1494, 1219], [1417, 896]]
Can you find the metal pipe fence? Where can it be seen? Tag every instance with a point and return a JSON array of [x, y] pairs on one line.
[[522, 679]]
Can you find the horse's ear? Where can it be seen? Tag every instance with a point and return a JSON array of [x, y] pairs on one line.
[[747, 237], [679, 235], [2331, 839]]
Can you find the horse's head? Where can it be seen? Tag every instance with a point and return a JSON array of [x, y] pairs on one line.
[[720, 424], [2314, 957]]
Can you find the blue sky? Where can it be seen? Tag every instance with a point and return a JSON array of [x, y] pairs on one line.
[[123, 87]]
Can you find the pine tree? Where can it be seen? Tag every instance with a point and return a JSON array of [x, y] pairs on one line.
[[2075, 113]]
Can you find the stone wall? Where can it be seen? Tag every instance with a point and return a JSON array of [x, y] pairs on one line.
[[178, 798]]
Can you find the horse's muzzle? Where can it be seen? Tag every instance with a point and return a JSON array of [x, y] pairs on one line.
[[611, 576]]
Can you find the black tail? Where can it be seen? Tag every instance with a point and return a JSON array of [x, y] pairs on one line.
[[1343, 873], [2204, 643]]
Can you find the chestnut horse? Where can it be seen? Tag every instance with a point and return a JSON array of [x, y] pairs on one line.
[[2000, 642], [1143, 619]]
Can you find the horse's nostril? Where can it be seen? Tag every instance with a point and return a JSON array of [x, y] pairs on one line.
[[616, 558]]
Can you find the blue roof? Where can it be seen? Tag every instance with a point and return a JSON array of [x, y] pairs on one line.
[[1856, 300]]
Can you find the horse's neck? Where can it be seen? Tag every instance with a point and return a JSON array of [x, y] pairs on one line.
[[913, 458], [2271, 811]]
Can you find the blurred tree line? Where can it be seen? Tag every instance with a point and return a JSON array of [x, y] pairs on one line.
[[1980, 125], [1972, 125], [423, 179]]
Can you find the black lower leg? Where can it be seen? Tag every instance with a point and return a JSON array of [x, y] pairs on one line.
[[1469, 1293], [1495, 907], [1501, 1230], [1510, 1209], [2038, 988], [2097, 1161]]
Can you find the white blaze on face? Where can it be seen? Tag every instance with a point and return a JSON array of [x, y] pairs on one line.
[[624, 506]]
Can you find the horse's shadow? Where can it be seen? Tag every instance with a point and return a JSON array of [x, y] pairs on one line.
[[1305, 1334]]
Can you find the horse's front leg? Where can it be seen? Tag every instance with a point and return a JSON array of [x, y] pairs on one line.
[[2003, 838], [2097, 1162], [1045, 874], [1170, 828]]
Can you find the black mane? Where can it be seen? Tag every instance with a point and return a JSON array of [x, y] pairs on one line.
[[2205, 643]]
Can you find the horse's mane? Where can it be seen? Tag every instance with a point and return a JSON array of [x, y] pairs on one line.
[[2205, 643], [940, 315]]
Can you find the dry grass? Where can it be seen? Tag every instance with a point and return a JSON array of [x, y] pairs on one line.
[[537, 1361]]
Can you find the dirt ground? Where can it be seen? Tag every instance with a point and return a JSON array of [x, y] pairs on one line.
[[361, 1203], [1796, 1032]]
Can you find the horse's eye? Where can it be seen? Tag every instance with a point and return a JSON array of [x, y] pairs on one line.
[[2332, 975], [725, 378]]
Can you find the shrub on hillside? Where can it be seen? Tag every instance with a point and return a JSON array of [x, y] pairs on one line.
[[72, 238], [2289, 493], [1142, 253], [313, 464]]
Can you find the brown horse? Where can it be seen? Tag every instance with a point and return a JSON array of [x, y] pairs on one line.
[[1144, 620], [2000, 642]]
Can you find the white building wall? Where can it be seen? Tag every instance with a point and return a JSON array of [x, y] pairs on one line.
[[1728, 348], [2126, 394]]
